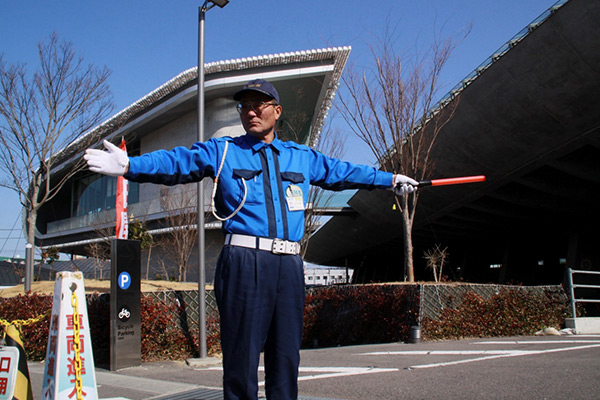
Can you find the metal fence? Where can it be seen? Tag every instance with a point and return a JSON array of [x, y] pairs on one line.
[[591, 295], [187, 301], [437, 297], [434, 298]]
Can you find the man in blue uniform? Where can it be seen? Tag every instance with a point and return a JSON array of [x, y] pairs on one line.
[[262, 188]]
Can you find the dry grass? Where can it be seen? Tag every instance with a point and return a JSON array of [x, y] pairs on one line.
[[100, 286]]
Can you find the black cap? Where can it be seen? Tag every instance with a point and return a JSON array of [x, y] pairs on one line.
[[260, 86]]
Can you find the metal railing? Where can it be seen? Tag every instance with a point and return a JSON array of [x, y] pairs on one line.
[[573, 286], [435, 298], [187, 305]]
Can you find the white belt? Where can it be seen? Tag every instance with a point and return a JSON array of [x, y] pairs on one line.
[[275, 246]]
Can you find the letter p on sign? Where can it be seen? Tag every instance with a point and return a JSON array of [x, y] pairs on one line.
[[124, 280]]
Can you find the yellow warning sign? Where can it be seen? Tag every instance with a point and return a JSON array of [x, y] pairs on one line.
[[69, 372]]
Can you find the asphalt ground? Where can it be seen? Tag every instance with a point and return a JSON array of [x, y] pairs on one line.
[[536, 367]]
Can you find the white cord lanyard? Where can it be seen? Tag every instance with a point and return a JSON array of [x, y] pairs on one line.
[[214, 191]]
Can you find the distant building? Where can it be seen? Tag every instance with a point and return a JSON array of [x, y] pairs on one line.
[[12, 271], [167, 117], [322, 276], [529, 119]]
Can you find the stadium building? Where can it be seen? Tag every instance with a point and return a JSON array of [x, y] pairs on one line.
[[529, 119], [84, 210]]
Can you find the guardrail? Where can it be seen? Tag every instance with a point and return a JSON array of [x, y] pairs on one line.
[[573, 286]]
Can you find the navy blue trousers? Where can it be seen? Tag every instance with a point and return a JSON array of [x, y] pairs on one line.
[[260, 296]]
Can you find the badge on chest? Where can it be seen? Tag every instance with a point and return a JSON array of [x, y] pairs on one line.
[[294, 198]]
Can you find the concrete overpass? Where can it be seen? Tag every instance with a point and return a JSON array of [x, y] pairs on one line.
[[529, 119]]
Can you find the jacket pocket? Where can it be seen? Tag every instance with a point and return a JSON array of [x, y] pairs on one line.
[[253, 190], [295, 189], [294, 177], [247, 174]]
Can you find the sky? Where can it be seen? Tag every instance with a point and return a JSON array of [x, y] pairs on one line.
[[146, 43]]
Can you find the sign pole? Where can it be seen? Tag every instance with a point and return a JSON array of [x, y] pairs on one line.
[[125, 305]]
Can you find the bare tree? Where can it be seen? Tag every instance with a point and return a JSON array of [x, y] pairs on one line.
[[390, 105], [182, 234], [436, 259], [139, 231], [99, 250], [48, 256], [43, 113], [331, 144]]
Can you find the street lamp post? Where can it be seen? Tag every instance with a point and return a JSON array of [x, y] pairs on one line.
[[28, 267], [208, 4]]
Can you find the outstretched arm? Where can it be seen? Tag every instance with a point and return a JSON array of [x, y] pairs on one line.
[[113, 161], [403, 184]]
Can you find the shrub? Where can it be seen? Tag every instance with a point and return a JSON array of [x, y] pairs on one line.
[[24, 307], [511, 312], [99, 319], [348, 315], [213, 335], [162, 337], [333, 315]]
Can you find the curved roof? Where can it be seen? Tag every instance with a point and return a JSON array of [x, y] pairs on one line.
[[306, 80], [530, 122], [223, 78]]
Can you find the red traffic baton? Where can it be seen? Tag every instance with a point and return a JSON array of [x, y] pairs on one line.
[[452, 181]]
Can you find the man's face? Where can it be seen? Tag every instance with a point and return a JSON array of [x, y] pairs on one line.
[[259, 115]]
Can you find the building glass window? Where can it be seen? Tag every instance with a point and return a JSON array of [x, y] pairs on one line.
[[95, 192]]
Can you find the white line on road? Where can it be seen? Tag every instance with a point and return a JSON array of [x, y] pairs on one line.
[[336, 372], [442, 352], [327, 372], [513, 354], [537, 341]]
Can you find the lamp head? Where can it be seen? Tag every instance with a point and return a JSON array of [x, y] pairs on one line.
[[220, 3]]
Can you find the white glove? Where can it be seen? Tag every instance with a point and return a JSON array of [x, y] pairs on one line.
[[113, 162], [404, 185]]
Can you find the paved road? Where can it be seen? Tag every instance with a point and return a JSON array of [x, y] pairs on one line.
[[515, 368], [549, 367]]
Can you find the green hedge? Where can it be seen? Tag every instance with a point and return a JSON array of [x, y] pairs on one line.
[[333, 316], [161, 336], [510, 312], [349, 315], [35, 336]]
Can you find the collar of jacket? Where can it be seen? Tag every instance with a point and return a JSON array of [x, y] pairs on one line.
[[257, 144]]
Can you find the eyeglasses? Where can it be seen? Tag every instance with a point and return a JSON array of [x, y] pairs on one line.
[[256, 106]]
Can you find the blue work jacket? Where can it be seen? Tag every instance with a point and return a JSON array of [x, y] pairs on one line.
[[276, 175]]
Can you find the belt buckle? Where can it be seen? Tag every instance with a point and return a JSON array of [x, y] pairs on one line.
[[279, 246]]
